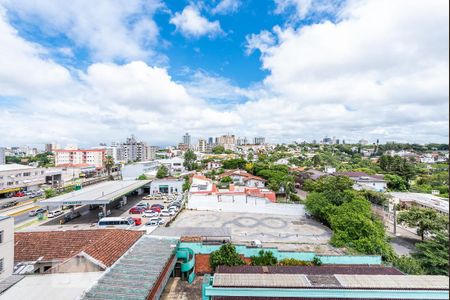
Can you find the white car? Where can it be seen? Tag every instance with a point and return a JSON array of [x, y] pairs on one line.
[[167, 213], [150, 214], [55, 213], [174, 208], [155, 222]]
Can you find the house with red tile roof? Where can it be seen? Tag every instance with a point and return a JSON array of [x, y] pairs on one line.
[[243, 178], [71, 250]]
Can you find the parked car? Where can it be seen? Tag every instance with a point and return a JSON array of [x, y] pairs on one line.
[[158, 205], [142, 204], [19, 194], [33, 213], [155, 222], [9, 204], [54, 213], [137, 210], [167, 213], [156, 209], [150, 214], [137, 221], [147, 197], [174, 208]]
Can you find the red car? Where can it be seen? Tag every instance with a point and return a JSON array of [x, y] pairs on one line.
[[157, 209], [137, 221], [19, 194], [136, 210]]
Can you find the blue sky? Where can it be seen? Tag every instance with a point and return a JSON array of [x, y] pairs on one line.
[[290, 70]]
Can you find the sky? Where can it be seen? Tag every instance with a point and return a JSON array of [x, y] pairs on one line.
[[288, 70]]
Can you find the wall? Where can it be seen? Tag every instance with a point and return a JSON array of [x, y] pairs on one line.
[[242, 203], [7, 246], [175, 185], [199, 248]]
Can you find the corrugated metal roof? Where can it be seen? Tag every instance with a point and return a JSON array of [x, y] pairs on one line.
[[397, 282], [261, 280], [135, 274], [313, 270]]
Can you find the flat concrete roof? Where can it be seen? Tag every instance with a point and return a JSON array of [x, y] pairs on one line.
[[52, 286], [14, 167], [101, 193]]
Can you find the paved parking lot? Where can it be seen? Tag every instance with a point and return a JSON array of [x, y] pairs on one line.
[[89, 220], [284, 232]]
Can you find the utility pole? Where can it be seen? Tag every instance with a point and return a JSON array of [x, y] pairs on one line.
[[395, 219]]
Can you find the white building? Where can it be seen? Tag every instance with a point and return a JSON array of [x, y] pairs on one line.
[[227, 141], [79, 158], [2, 156], [259, 140], [202, 145], [6, 246], [166, 186], [363, 181], [150, 168], [421, 200], [14, 177]]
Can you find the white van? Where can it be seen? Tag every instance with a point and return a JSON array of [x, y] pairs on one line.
[[123, 223]]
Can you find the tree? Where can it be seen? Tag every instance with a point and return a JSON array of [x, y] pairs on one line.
[[225, 256], [433, 254], [264, 258], [376, 198], [250, 156], [109, 163], [142, 177], [316, 160], [162, 172], [48, 193], [186, 184], [426, 220], [354, 227], [218, 149], [190, 160], [408, 265], [396, 183]]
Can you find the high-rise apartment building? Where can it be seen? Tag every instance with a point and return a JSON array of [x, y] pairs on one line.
[[187, 139], [259, 140], [133, 150], [210, 140], [227, 141], [202, 145], [2, 156]]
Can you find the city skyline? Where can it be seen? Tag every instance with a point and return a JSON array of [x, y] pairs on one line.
[[283, 69]]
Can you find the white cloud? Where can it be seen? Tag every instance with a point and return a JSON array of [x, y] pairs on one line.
[[305, 8], [359, 74], [358, 77], [192, 24], [104, 27], [226, 7]]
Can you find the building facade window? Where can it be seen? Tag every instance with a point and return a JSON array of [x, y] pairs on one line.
[[1, 236], [1, 265]]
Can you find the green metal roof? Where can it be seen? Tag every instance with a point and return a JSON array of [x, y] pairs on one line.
[[134, 275]]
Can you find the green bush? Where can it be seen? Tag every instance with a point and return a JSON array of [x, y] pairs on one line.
[[48, 193], [408, 265], [264, 258], [294, 262], [317, 261], [225, 256]]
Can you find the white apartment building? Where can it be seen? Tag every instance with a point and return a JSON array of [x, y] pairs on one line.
[[227, 141], [79, 158], [259, 140], [14, 177], [6, 246], [202, 145], [2, 156]]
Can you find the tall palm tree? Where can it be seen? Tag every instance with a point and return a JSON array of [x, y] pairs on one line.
[[109, 163]]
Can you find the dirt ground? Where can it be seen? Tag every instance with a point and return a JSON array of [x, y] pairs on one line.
[[177, 289]]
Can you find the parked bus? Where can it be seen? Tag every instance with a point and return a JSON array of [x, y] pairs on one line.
[[123, 223]]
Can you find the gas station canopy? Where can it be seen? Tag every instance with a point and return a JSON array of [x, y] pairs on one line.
[[97, 194]]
